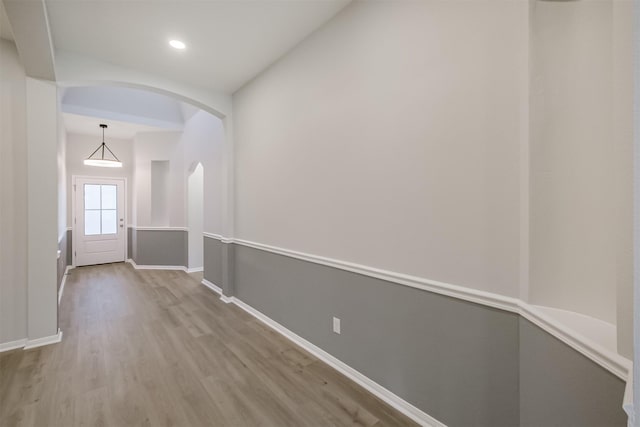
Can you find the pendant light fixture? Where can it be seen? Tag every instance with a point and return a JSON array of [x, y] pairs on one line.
[[99, 159]]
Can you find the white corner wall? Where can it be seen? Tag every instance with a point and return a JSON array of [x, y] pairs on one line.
[[159, 146], [195, 214], [580, 164], [62, 177], [203, 139], [13, 205], [42, 211], [391, 138]]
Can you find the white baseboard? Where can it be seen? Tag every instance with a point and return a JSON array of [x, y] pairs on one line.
[[384, 394], [39, 342], [227, 299], [64, 281], [12, 345], [627, 401], [157, 267], [215, 288], [195, 269]]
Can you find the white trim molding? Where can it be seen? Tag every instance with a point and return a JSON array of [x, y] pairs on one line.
[[460, 292], [195, 269], [39, 342], [608, 359], [12, 345], [382, 393], [227, 300], [64, 281], [605, 357], [215, 288], [627, 401], [156, 267], [213, 236]]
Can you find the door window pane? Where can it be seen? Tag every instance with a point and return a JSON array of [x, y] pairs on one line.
[[91, 196], [100, 209], [109, 222], [109, 197], [91, 222]]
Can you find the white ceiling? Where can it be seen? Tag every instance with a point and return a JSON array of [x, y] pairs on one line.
[[228, 41], [5, 26], [86, 125]]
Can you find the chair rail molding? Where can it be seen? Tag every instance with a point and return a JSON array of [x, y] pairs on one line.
[[587, 346]]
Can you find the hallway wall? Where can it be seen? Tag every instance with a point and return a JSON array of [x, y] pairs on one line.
[[391, 138], [13, 205], [577, 213], [397, 137], [201, 141]]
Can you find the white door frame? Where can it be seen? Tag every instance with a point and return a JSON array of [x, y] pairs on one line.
[[74, 234]]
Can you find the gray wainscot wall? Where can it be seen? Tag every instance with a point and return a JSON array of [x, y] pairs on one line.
[[148, 247], [159, 247], [464, 364], [64, 246]]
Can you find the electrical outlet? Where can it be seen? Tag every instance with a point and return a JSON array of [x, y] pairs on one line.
[[336, 325]]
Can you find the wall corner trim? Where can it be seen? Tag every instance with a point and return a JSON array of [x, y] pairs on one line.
[[64, 280], [627, 401], [214, 236], [156, 267], [608, 359], [39, 342], [219, 237], [226, 299], [195, 269], [382, 393], [215, 288], [12, 345]]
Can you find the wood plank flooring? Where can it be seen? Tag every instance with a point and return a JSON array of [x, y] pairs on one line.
[[157, 348]]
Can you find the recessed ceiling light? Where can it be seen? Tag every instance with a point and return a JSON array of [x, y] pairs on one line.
[[177, 44]]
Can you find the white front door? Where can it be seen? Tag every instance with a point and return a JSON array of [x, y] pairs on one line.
[[99, 231]]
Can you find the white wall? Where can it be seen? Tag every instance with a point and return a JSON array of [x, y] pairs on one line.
[[13, 204], [580, 168], [203, 141], [623, 72], [150, 146], [62, 179], [391, 138], [79, 147], [42, 208], [195, 213]]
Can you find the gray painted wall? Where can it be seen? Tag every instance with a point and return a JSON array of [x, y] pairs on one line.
[[69, 247], [561, 387], [64, 247], [148, 247], [464, 364], [456, 360], [160, 247], [130, 232], [213, 261]]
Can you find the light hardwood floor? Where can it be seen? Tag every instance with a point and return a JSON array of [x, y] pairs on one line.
[[157, 348]]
